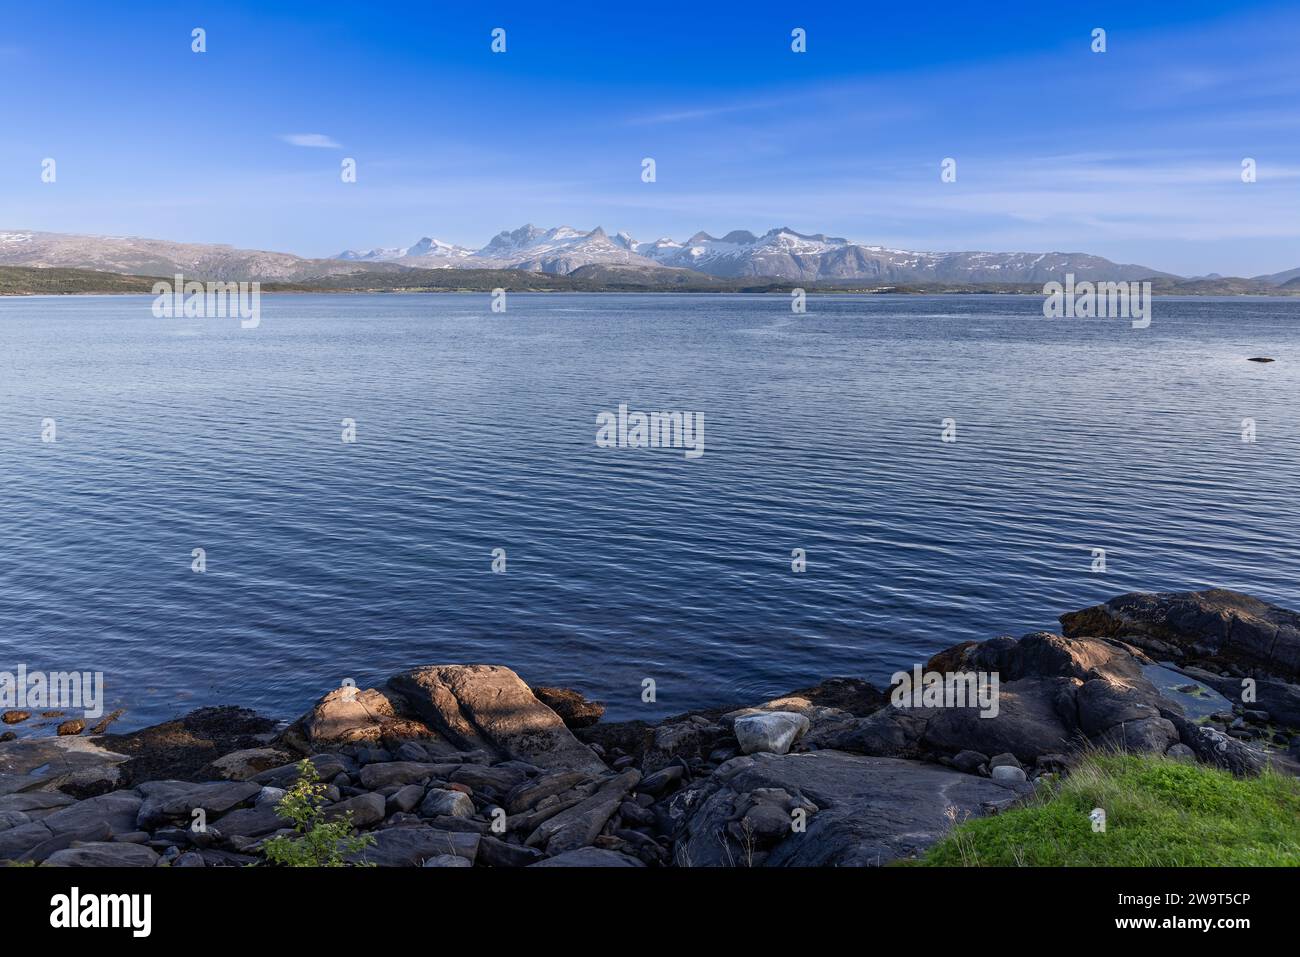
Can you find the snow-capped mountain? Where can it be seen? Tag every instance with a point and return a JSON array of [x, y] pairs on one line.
[[427, 253], [779, 253], [787, 254], [560, 250]]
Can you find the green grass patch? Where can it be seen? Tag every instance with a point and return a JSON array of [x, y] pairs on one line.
[[1159, 813]]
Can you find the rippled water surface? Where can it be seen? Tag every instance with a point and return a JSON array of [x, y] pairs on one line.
[[477, 431]]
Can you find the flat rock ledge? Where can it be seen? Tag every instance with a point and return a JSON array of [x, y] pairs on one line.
[[467, 766]]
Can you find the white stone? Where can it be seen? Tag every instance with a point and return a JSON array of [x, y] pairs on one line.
[[772, 731], [1008, 774]]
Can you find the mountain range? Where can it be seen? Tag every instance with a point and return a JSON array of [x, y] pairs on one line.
[[779, 254]]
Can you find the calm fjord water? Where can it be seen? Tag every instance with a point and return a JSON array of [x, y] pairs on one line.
[[477, 431]]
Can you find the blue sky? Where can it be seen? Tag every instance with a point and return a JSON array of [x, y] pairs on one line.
[[1134, 154]]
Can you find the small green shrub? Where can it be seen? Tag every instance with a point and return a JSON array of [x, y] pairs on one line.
[[320, 843]]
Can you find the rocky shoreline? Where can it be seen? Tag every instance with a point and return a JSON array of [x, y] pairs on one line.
[[466, 765]]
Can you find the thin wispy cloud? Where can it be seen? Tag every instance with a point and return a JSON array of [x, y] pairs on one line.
[[312, 140], [706, 112]]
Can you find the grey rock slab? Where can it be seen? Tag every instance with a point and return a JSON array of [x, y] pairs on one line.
[[36, 803], [589, 857], [327, 766], [497, 853], [871, 810], [411, 846], [10, 819], [119, 809], [661, 780], [175, 800], [399, 773], [103, 854], [366, 809], [406, 798], [19, 840], [501, 779], [447, 860], [64, 839], [581, 824], [45, 763], [251, 822]]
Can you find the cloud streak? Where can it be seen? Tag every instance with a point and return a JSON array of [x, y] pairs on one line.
[[311, 140]]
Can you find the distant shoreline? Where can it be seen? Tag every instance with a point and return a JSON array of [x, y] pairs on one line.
[[89, 294], [25, 281]]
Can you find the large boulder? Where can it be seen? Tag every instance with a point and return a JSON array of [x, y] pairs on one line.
[[1216, 627], [1033, 718], [350, 715], [488, 707], [1055, 695], [823, 808]]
